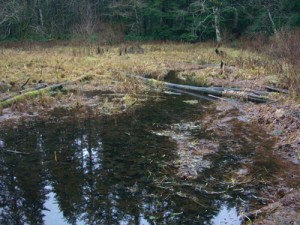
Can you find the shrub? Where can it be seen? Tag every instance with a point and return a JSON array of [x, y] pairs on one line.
[[286, 48]]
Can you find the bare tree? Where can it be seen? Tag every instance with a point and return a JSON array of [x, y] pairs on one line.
[[207, 13], [130, 9], [10, 14], [88, 19]]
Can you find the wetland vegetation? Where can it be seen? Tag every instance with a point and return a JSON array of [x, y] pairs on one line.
[[105, 148], [111, 114]]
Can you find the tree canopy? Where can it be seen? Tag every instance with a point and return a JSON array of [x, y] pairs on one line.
[[186, 20]]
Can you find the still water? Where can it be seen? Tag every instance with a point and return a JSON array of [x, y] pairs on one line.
[[116, 170]]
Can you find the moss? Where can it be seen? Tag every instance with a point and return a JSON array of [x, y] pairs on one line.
[[21, 97]]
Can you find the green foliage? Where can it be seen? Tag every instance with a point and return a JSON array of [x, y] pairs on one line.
[[94, 38], [142, 19], [188, 37], [133, 37]]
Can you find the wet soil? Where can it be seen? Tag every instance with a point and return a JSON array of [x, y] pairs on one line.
[[282, 124], [280, 119]]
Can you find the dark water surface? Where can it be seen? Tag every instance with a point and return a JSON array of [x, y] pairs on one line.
[[116, 171]]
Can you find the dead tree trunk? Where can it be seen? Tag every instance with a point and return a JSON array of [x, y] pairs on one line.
[[275, 31], [216, 91], [216, 13]]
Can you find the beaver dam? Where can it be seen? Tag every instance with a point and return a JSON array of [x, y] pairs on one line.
[[180, 160]]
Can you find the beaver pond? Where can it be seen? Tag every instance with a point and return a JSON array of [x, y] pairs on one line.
[[125, 169]]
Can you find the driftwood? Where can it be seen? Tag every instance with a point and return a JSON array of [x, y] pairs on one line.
[[37, 91], [216, 91]]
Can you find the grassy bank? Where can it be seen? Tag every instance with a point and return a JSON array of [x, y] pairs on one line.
[[32, 65]]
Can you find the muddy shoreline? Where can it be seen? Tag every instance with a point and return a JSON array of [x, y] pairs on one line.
[[281, 122]]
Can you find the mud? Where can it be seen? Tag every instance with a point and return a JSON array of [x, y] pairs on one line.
[[284, 211], [281, 121]]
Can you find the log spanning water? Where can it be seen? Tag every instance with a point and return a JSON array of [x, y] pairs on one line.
[[27, 93], [253, 96]]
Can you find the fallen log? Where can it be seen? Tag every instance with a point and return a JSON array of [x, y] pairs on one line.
[[37, 91], [220, 92], [279, 90], [207, 98], [256, 92]]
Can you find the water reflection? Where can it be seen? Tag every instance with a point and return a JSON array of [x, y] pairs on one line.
[[227, 216], [52, 213], [103, 171]]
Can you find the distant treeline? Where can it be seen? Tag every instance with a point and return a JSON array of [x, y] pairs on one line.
[[118, 20]]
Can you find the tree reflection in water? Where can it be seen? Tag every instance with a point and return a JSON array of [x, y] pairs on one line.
[[99, 171]]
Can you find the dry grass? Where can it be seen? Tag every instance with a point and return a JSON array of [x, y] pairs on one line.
[[60, 63]]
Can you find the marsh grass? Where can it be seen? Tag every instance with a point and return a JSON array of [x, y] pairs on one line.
[[58, 64], [62, 62]]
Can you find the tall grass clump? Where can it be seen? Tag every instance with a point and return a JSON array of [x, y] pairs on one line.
[[286, 49]]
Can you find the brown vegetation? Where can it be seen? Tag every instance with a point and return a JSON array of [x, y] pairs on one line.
[[27, 67], [286, 48], [283, 54], [31, 65]]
